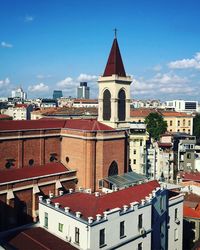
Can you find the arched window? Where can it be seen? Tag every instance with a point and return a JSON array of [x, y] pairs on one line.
[[121, 105], [113, 169], [106, 105]]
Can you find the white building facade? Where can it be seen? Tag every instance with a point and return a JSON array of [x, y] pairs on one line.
[[134, 225]]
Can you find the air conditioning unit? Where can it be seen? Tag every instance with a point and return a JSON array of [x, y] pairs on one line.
[[68, 238], [142, 231]]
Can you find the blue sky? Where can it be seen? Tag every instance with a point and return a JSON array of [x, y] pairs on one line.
[[47, 44]]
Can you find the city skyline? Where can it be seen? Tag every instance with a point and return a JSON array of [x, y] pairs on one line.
[[47, 45]]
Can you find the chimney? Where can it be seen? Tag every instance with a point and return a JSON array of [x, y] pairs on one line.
[[70, 190], [90, 220], [67, 209], [57, 204], [40, 198], [60, 192], [142, 202], [48, 201], [154, 193], [125, 207], [97, 194], [78, 214], [50, 195], [98, 217]]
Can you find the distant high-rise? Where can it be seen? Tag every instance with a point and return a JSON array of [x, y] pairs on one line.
[[57, 94], [19, 93], [83, 91]]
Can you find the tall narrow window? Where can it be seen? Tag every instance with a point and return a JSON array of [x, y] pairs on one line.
[[60, 227], [175, 234], [178, 123], [122, 229], [140, 246], [176, 213], [77, 233], [102, 237], [161, 203], [46, 220], [106, 105], [189, 123], [171, 122], [121, 105], [183, 122], [140, 223]]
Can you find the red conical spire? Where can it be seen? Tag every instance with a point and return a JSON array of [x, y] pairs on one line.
[[115, 65]]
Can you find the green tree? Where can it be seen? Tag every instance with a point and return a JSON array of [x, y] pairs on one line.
[[155, 125], [196, 126]]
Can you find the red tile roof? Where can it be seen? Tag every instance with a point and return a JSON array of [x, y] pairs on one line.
[[191, 213], [141, 112], [11, 175], [36, 239], [114, 65], [90, 205], [164, 145], [86, 124], [144, 112], [191, 176], [31, 124], [80, 124], [4, 117], [21, 105]]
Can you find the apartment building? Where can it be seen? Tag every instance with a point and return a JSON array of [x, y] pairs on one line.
[[138, 138], [145, 216], [176, 121]]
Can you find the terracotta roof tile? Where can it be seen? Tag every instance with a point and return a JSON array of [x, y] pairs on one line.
[[191, 213], [81, 124], [90, 205], [36, 239], [11, 175]]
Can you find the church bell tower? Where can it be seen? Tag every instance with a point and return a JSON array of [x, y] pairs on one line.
[[114, 91]]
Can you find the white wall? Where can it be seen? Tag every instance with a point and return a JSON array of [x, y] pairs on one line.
[[175, 202]]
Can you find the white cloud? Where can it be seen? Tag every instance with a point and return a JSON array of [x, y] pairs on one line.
[[41, 87], [87, 78], [29, 18], [161, 84], [5, 82], [67, 82], [188, 63], [168, 78], [157, 67], [6, 45]]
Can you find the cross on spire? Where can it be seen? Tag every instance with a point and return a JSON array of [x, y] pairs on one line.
[[115, 31]]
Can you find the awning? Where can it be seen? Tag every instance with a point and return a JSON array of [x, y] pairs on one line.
[[125, 180]]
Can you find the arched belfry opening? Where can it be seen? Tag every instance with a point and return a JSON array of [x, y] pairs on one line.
[[113, 169], [106, 105], [121, 105]]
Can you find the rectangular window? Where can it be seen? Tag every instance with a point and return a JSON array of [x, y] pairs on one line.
[[134, 151], [188, 156], [161, 203], [140, 221], [170, 123], [140, 143], [189, 123], [46, 220], [121, 229], [134, 161], [102, 237], [77, 235], [178, 123], [176, 213], [140, 246], [60, 227], [175, 234]]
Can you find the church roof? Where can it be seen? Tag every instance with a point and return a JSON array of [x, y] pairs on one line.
[[79, 124], [114, 64]]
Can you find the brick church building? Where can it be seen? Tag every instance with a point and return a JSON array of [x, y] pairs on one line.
[[48, 156]]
